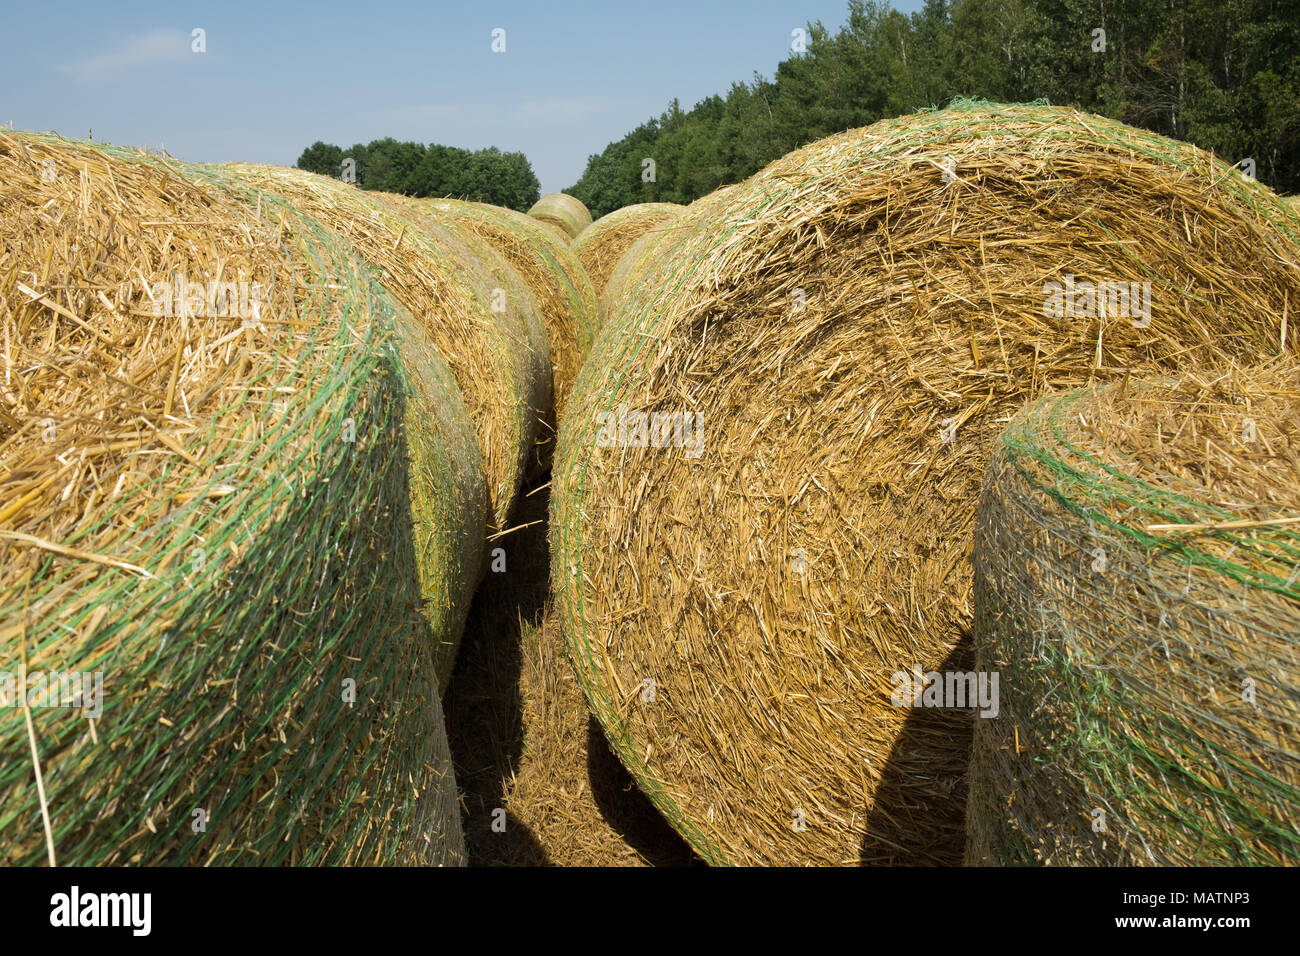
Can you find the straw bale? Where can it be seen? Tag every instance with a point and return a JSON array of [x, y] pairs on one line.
[[186, 514], [1137, 588], [601, 245], [853, 326], [492, 341], [564, 214], [563, 292]]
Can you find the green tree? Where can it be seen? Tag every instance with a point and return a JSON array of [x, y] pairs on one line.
[[322, 158]]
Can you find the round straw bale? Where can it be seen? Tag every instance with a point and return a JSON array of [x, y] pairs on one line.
[[600, 246], [562, 289], [849, 331], [511, 297], [640, 257], [1137, 589], [563, 213], [475, 308], [652, 245], [224, 494], [628, 268]]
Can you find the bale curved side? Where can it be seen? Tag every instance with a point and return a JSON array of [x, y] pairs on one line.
[[564, 293], [1136, 590], [492, 349], [513, 299], [643, 255], [601, 245], [564, 214], [849, 329], [230, 545]]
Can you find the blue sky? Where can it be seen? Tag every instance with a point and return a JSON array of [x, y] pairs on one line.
[[278, 76]]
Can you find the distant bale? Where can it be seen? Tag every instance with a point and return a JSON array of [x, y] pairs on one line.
[[565, 214], [765, 489], [628, 270], [600, 246], [558, 282], [241, 510], [1136, 589], [473, 305]]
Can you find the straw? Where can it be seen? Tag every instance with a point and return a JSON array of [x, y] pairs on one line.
[[853, 326], [490, 340], [186, 516], [1137, 587], [565, 215], [601, 245]]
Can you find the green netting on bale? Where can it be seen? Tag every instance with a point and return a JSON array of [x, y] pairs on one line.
[[269, 689], [473, 306], [1144, 625], [449, 504], [507, 278]]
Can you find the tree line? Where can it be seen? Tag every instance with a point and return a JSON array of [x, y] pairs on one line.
[[413, 169], [1222, 74]]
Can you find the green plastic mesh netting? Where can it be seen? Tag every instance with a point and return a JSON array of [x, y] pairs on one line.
[[259, 525], [1137, 589]]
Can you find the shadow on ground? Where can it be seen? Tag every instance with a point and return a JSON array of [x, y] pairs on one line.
[[628, 810], [482, 701], [521, 737]]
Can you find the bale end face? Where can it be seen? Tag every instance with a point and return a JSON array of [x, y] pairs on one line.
[[562, 211]]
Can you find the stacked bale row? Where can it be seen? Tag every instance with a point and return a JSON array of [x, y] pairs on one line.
[[230, 466], [1137, 559], [847, 333], [474, 306], [601, 245], [561, 287]]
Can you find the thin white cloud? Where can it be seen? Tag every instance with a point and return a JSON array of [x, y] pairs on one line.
[[156, 46]]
